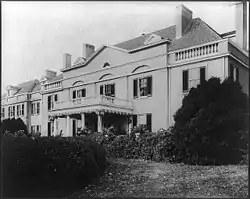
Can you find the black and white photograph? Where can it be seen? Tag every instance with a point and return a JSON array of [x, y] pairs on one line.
[[121, 99]]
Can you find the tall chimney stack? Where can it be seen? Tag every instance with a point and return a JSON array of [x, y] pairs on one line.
[[87, 50], [183, 18], [241, 24], [66, 60]]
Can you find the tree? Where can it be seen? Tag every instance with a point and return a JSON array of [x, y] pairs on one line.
[[211, 127], [13, 126]]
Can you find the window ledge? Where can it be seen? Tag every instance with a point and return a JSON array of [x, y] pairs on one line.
[[143, 97]]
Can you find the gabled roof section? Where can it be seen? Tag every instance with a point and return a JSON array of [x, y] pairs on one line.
[[196, 33], [152, 39], [79, 60], [27, 87]]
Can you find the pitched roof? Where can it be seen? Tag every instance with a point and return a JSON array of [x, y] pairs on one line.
[[196, 33], [27, 87]]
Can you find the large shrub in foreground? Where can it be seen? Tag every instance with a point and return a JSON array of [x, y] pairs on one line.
[[211, 127], [12, 126], [49, 162]]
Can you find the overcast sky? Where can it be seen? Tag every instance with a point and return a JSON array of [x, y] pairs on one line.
[[36, 34]]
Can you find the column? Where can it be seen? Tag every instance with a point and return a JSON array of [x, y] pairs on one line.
[[83, 120], [55, 130], [130, 118], [68, 125], [99, 122]]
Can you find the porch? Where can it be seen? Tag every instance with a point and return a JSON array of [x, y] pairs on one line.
[[67, 122]]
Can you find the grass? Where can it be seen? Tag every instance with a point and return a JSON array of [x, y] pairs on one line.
[[140, 178]]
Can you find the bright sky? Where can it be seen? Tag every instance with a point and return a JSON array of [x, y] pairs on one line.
[[36, 34]]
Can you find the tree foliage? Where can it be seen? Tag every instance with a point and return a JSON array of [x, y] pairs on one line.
[[211, 127]]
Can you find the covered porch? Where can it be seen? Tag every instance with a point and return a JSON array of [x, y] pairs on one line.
[[96, 119]]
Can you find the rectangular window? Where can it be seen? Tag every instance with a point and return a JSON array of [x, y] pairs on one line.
[[35, 108], [134, 120], [78, 94], [51, 100], [109, 90], [185, 80], [149, 121], [143, 86], [32, 108], [202, 75]]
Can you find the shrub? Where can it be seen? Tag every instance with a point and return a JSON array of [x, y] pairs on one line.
[[50, 162], [212, 123], [13, 125]]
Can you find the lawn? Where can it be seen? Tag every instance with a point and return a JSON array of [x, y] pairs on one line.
[[140, 178]]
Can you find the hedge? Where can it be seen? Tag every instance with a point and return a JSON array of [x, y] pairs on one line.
[[50, 162]]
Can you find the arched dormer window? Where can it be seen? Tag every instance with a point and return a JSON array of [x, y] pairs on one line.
[[106, 64]]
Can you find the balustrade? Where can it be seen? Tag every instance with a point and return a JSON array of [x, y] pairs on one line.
[[196, 52]]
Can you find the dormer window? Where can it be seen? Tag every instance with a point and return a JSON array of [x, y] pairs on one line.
[[106, 65]]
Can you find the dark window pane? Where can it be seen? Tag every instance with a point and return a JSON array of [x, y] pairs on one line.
[[135, 88], [55, 97], [149, 122], [202, 75], [149, 84], [185, 80]]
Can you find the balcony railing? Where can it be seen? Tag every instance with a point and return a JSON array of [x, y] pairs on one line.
[[54, 85], [91, 101], [197, 52]]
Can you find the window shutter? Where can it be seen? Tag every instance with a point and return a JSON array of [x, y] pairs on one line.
[[135, 88], [237, 74], [101, 90], [49, 101], [231, 72], [134, 120], [149, 121], [74, 95], [55, 97], [113, 90], [185, 80], [83, 92], [149, 85], [202, 75], [38, 107]]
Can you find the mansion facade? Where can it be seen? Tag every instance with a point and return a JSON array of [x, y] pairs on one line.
[[139, 81]]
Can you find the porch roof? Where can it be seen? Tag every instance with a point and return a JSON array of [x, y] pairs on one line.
[[100, 108]]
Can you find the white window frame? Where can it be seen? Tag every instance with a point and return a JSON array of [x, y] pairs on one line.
[[3, 112], [34, 107]]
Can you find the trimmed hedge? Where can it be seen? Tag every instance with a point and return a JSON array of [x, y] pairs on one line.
[[149, 146], [50, 162]]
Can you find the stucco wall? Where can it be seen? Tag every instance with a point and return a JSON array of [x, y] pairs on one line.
[[214, 68]]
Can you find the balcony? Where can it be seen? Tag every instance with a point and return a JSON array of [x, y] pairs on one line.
[[93, 101]]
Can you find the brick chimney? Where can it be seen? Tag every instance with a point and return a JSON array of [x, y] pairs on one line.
[[87, 50], [183, 17], [66, 60], [241, 24]]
